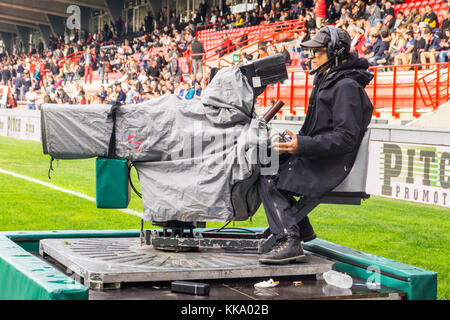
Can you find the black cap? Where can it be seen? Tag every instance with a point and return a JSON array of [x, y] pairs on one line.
[[322, 39]]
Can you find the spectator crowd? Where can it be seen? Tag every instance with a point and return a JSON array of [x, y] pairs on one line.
[[136, 67]]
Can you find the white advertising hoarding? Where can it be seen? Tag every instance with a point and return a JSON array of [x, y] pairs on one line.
[[411, 172], [20, 124]]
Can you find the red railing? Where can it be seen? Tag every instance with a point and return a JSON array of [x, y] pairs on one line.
[[394, 90], [255, 36], [275, 37]]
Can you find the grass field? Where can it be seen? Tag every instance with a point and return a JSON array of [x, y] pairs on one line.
[[407, 232]]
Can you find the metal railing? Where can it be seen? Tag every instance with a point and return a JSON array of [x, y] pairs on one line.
[[396, 90]]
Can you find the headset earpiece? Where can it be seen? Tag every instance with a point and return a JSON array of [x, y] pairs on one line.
[[334, 45]]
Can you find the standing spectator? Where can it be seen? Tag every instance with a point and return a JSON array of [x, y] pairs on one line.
[[68, 71], [197, 56], [6, 75], [104, 66], [54, 68], [174, 69], [203, 10], [88, 66], [26, 86], [319, 11], [30, 97]]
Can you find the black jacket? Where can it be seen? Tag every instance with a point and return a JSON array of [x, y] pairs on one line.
[[338, 114], [197, 47]]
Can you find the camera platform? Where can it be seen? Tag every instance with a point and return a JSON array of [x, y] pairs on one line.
[[102, 263]]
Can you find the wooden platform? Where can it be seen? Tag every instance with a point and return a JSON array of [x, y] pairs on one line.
[[102, 263]]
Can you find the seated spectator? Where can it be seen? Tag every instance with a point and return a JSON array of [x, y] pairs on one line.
[[286, 55], [399, 20], [189, 95], [102, 94], [432, 46], [419, 44], [389, 22], [444, 54], [61, 96], [358, 39], [121, 96], [387, 9], [262, 52], [378, 48], [404, 58], [446, 22], [374, 13], [396, 47], [131, 94], [416, 17], [198, 91], [430, 18]]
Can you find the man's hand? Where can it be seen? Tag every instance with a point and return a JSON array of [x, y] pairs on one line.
[[289, 147]]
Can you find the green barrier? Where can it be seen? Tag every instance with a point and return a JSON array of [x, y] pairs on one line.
[[419, 284], [29, 240], [26, 277]]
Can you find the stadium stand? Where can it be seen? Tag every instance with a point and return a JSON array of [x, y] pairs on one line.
[[143, 65]]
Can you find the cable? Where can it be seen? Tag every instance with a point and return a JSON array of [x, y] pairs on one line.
[[131, 182]]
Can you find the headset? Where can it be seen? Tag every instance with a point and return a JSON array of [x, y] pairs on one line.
[[335, 50]]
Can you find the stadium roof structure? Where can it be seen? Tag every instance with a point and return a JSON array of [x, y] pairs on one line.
[[21, 17]]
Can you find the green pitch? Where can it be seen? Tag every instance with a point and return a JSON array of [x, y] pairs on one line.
[[407, 232]]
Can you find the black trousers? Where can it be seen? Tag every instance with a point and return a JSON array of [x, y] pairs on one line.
[[278, 205]]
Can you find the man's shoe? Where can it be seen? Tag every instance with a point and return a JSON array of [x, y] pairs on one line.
[[288, 251]]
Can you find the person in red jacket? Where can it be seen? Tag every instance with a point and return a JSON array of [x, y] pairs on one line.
[[320, 9]]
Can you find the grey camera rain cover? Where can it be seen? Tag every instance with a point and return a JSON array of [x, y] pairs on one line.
[[197, 160]]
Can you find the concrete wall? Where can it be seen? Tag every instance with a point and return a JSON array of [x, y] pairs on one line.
[[439, 118]]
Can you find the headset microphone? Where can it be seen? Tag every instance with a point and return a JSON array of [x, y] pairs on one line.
[[330, 60]]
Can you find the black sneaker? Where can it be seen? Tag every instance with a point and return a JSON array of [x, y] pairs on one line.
[[287, 251]]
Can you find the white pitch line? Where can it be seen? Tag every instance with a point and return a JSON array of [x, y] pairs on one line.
[[74, 193]]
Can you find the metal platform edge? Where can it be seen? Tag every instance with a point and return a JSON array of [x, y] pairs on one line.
[[100, 279]]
